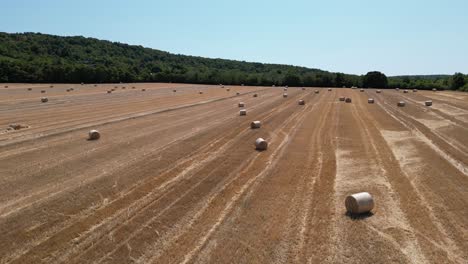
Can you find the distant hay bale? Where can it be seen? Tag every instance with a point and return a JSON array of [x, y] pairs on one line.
[[68, 90], [143, 90], [237, 93], [241, 104], [303, 89], [44, 99], [285, 89], [51, 86], [329, 89], [434, 89], [370, 100], [228, 89], [378, 91], [72, 89], [316, 91], [261, 144], [286, 86], [93, 134], [348, 100], [255, 124], [361, 90], [82, 83], [243, 112], [401, 103], [133, 87], [200, 92], [109, 91], [6, 86], [415, 90], [398, 89], [123, 87], [359, 203], [95, 85], [273, 85], [43, 91], [428, 103], [405, 91], [342, 98], [242, 84], [29, 89], [116, 87], [301, 102], [285, 95], [112, 89], [255, 95], [174, 90]]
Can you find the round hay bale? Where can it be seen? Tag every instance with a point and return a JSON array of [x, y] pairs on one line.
[[82, 83], [200, 92], [359, 203], [303, 89], [415, 90], [285, 95], [286, 86], [237, 93], [428, 103], [242, 84], [44, 99], [72, 89], [116, 87], [434, 89], [109, 91], [342, 98], [255, 124], [261, 144], [398, 89], [133, 87], [123, 87], [348, 100], [68, 90], [255, 95], [243, 112], [143, 90], [6, 86], [112, 89], [228, 89], [51, 86], [370, 100], [95, 85], [329, 89], [42, 91], [241, 104], [378, 91], [285, 89], [93, 135], [316, 91], [401, 104], [405, 91], [174, 90], [361, 90], [301, 102], [29, 89]]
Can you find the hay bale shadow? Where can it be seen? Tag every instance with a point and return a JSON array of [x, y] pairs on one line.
[[357, 217]]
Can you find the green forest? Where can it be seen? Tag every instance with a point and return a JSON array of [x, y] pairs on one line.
[[42, 58]]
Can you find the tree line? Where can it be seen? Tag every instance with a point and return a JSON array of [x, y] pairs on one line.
[[42, 58]]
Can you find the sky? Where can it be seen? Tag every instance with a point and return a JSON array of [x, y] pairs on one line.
[[396, 37]]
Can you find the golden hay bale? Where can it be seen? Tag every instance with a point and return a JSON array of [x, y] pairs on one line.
[[415, 90], [370, 100], [109, 91], [243, 112], [29, 89], [434, 89], [143, 90], [301, 102], [93, 134], [43, 91], [378, 91], [51, 86], [285, 95], [44, 99], [228, 89], [361, 90], [316, 91], [237, 93], [255, 95], [303, 89], [401, 104], [348, 100], [255, 124], [285, 89], [174, 90], [261, 144], [405, 91], [200, 92], [428, 103], [359, 203], [342, 98], [329, 89], [241, 104]]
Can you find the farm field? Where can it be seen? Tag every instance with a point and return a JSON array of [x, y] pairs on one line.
[[175, 177]]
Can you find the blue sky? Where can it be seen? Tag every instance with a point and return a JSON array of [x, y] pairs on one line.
[[396, 37]]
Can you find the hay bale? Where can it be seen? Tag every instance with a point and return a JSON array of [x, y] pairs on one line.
[[237, 93], [348, 100], [361, 90], [112, 89], [285, 95], [261, 144], [243, 112], [255, 124], [242, 84], [29, 89], [359, 203], [200, 92], [174, 90], [285, 89], [303, 89], [301, 102], [109, 91], [329, 89], [228, 89], [6, 86], [116, 87], [133, 87], [255, 95], [82, 83], [123, 88], [428, 103], [51, 86], [415, 90], [405, 91], [241, 104], [370, 100], [434, 89], [44, 99], [378, 91], [68, 90], [42, 91], [316, 91], [72, 89], [342, 98], [401, 104], [143, 90], [93, 135], [286, 86], [95, 85]]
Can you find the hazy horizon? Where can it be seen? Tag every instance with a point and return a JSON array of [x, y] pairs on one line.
[[397, 38]]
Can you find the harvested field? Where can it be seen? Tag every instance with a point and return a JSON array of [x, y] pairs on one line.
[[175, 177]]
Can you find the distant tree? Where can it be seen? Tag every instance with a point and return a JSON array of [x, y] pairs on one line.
[[292, 80], [375, 79], [458, 81]]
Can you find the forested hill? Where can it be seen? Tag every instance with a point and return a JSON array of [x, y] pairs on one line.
[[35, 57]]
